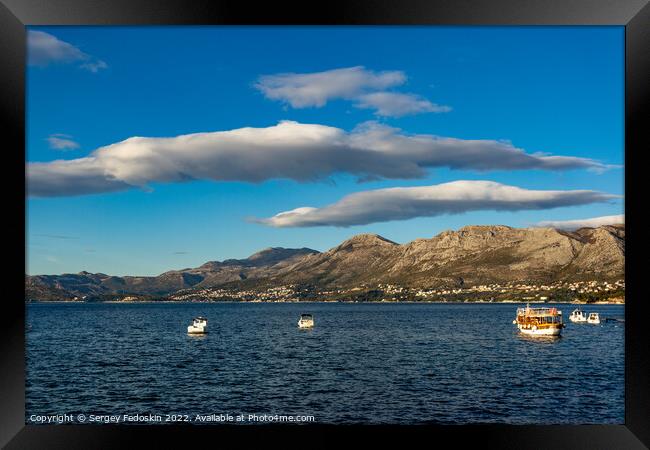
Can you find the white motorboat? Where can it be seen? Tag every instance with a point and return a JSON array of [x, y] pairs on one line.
[[199, 326], [593, 318], [306, 321], [578, 316]]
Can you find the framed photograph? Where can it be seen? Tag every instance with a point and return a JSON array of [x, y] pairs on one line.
[[267, 223]]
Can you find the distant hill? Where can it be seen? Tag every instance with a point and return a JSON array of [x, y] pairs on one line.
[[469, 256]]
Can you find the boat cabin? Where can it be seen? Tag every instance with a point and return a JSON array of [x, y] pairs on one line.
[[578, 314], [199, 326], [537, 316], [593, 318], [306, 321]]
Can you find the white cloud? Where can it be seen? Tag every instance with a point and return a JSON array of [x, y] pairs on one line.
[[44, 49], [288, 150], [593, 222], [302, 90], [394, 104], [62, 142], [72, 177], [403, 203], [365, 87], [94, 66]]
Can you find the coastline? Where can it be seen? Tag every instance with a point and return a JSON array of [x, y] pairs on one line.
[[324, 301]]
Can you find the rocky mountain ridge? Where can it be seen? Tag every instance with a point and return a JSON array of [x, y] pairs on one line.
[[469, 256]]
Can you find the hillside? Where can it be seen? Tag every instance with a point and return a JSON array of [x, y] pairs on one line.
[[469, 256]]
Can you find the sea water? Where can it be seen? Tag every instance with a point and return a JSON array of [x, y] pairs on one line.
[[383, 363]]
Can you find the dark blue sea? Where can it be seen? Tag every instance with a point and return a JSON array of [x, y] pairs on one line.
[[362, 363]]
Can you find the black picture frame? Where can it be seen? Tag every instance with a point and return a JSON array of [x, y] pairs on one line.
[[634, 15]]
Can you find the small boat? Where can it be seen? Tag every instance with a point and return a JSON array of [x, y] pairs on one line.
[[539, 321], [593, 318], [199, 326], [578, 316], [306, 321]]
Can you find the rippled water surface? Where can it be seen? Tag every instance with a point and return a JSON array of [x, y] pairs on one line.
[[362, 363]]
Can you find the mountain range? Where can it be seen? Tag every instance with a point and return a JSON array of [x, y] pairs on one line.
[[469, 256]]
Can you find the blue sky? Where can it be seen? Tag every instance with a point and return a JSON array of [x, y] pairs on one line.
[[556, 90]]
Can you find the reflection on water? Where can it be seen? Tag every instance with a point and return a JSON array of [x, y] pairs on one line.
[[540, 339], [361, 363], [197, 336]]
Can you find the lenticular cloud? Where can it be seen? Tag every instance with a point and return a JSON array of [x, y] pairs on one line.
[[592, 222], [288, 150], [403, 203]]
